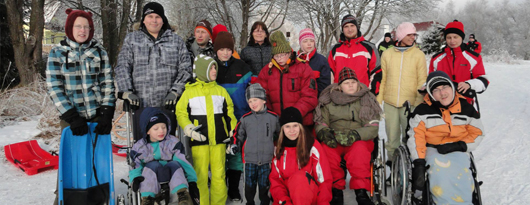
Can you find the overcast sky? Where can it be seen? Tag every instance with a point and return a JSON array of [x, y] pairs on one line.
[[459, 4]]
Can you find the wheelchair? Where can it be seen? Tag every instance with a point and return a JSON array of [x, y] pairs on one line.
[[401, 181], [133, 121], [378, 190]]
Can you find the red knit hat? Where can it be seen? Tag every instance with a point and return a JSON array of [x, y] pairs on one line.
[[456, 27], [216, 29], [72, 16], [347, 73]]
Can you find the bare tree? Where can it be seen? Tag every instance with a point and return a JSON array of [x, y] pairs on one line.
[[114, 32], [27, 48]]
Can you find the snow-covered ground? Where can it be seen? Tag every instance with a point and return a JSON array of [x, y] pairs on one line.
[[502, 158]]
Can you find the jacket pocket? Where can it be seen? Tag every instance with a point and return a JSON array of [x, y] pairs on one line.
[[97, 93], [141, 54], [168, 55], [293, 82], [94, 65]]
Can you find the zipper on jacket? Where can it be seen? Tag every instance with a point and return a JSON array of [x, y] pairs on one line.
[[399, 82], [292, 83], [281, 90], [453, 68], [261, 59], [267, 129]]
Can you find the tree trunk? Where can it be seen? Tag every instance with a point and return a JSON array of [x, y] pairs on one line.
[[139, 7], [245, 13], [27, 52]]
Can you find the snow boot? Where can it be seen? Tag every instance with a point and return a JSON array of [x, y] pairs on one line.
[[362, 198], [147, 200], [233, 177], [338, 197], [181, 197]]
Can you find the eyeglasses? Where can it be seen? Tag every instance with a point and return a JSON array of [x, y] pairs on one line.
[[258, 31], [444, 87], [281, 55], [79, 27]]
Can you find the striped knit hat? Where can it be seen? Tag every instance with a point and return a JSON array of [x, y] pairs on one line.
[[347, 73], [206, 25], [306, 33], [456, 27], [279, 43], [202, 66]]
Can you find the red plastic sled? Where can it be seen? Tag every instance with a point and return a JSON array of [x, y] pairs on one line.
[[30, 158], [119, 150]]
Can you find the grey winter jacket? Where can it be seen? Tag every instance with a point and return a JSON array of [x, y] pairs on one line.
[[255, 135], [151, 69], [257, 56]]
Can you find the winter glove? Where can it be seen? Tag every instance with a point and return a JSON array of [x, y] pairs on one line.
[[418, 175], [189, 131], [194, 192], [133, 99], [285, 201], [326, 136], [78, 125], [171, 100], [459, 146], [105, 120], [136, 183], [231, 149]]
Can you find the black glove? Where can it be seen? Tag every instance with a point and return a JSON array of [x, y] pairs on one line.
[[77, 123], [106, 113], [136, 183], [194, 192], [133, 99], [327, 137], [418, 174], [171, 100], [459, 146]]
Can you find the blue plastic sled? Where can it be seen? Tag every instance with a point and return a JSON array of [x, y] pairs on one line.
[[79, 156]]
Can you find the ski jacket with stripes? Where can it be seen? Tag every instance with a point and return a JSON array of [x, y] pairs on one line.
[[433, 124], [357, 54], [79, 76], [462, 65], [209, 105], [255, 134], [292, 87], [287, 165], [404, 72]]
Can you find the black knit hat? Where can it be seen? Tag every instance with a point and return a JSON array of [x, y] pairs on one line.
[[349, 19], [158, 118], [472, 35], [436, 79], [388, 35], [154, 7], [290, 114]]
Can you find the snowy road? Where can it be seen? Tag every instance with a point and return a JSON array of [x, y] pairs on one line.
[[502, 158]]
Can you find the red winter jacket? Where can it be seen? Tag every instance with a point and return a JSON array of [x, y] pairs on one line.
[[287, 165], [298, 89], [357, 54], [462, 65]]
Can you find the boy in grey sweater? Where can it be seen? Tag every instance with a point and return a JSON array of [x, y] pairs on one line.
[[255, 134]]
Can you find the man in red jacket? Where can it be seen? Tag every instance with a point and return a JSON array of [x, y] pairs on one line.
[[355, 52]]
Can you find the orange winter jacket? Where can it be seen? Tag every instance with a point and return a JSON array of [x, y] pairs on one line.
[[433, 124]]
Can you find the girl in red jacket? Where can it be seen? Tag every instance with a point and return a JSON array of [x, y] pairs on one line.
[[300, 171]]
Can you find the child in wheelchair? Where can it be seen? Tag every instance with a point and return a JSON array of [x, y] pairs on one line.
[[158, 160], [443, 131]]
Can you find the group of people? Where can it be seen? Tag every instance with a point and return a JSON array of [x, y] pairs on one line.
[[284, 118]]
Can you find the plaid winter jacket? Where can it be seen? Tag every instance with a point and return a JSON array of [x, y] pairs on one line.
[[151, 69], [80, 77]]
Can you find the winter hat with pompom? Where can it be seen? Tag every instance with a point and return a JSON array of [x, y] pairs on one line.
[[72, 16], [306, 33], [455, 27], [216, 29]]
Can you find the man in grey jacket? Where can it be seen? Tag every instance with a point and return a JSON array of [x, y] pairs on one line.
[[153, 64]]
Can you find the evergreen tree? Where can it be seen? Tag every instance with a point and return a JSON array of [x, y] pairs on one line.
[[432, 39]]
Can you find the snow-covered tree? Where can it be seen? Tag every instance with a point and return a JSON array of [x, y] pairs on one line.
[[432, 39]]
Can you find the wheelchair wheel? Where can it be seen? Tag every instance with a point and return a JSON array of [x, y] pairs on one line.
[[401, 168]]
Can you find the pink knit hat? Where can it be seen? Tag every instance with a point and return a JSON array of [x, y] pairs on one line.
[[306, 33], [404, 29]]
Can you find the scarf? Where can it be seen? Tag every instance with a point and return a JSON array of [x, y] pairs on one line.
[[305, 57], [370, 108]]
